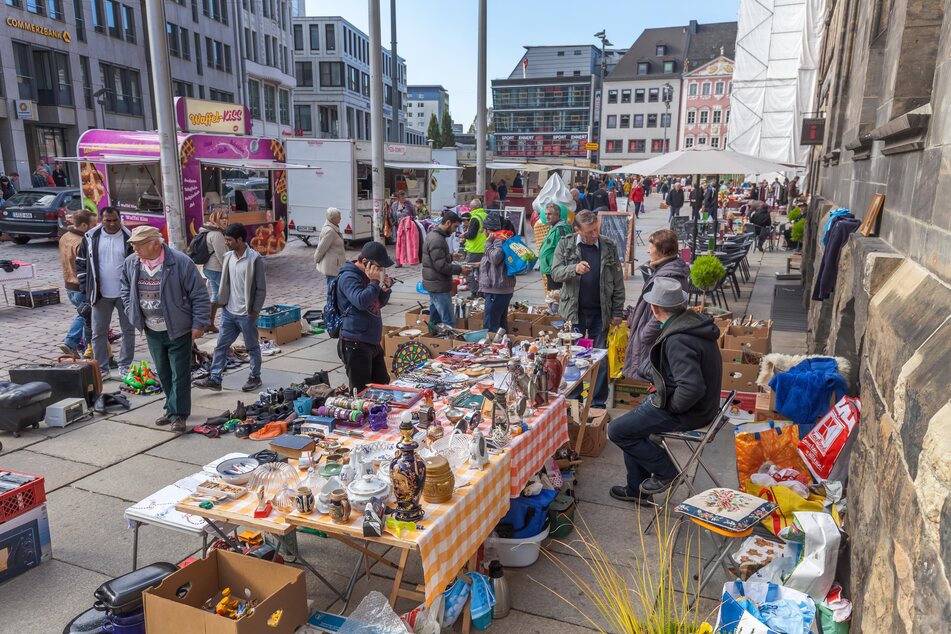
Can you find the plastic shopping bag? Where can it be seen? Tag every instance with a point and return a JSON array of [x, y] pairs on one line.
[[773, 441], [816, 538], [764, 608], [617, 349], [788, 503], [518, 257], [825, 449]]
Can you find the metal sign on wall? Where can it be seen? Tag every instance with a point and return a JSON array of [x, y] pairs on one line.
[[199, 115], [813, 131]]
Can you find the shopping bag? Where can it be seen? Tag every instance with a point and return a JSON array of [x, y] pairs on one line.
[[817, 538], [825, 449], [518, 257], [752, 607], [617, 349], [788, 502], [773, 441]]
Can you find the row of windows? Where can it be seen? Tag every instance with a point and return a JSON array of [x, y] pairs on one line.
[[705, 116], [702, 140], [705, 87], [187, 89], [179, 43], [636, 146], [530, 97], [277, 11], [637, 120], [272, 108], [669, 67], [354, 44], [50, 8], [653, 95], [541, 121], [275, 55]]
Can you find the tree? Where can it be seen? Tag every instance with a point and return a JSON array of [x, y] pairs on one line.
[[446, 136], [432, 132]]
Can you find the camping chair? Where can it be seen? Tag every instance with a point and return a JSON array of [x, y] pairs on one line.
[[696, 440]]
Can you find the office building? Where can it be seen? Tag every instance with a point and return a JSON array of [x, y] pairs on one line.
[[332, 66], [422, 102], [544, 107], [707, 85], [265, 34]]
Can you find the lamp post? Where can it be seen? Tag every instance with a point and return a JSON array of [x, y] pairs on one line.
[[598, 112], [668, 97]]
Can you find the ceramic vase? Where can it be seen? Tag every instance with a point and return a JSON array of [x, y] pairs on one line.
[[408, 475]]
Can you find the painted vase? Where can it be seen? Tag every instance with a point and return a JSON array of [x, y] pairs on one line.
[[339, 507], [304, 500], [553, 370], [408, 475]]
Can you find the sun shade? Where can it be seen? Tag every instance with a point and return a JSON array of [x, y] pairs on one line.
[[127, 159]]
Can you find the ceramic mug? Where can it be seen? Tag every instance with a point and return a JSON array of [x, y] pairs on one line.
[[339, 507], [304, 500]]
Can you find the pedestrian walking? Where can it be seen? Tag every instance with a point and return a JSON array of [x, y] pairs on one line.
[[242, 294], [363, 289], [599, 200], [636, 198], [496, 284], [80, 330], [438, 270], [60, 177], [491, 196], [99, 270], [330, 253], [165, 297], [503, 193], [474, 245], [675, 200], [217, 248]]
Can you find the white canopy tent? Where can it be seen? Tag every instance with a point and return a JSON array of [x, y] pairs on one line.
[[702, 160]]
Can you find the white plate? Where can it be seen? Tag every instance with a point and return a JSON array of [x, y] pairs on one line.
[[411, 332]]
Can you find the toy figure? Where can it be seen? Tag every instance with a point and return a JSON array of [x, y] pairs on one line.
[[227, 606], [140, 379]]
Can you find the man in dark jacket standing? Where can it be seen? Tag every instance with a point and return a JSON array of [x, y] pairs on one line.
[[363, 288], [710, 200], [762, 220], [675, 199], [600, 200], [166, 298], [438, 269], [685, 366], [696, 201]]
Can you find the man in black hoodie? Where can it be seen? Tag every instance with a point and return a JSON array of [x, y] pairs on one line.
[[685, 367]]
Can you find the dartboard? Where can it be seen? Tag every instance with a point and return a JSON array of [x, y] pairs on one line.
[[408, 356]]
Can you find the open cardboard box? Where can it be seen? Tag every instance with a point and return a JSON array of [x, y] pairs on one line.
[[628, 393], [282, 334], [174, 606], [595, 433], [740, 377]]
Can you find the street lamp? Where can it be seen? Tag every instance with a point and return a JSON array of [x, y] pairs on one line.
[[668, 97], [604, 64]]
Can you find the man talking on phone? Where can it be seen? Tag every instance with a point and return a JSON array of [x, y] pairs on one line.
[[363, 288]]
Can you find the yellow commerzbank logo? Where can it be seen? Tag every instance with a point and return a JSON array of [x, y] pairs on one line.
[[42, 30]]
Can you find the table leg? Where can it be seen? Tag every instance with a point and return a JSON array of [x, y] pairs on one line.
[[471, 566], [204, 544], [398, 580], [592, 376], [135, 545]]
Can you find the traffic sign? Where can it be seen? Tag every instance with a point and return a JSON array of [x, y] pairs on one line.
[[591, 147]]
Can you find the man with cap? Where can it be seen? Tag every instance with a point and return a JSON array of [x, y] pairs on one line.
[[438, 269], [166, 298], [685, 367], [363, 288]]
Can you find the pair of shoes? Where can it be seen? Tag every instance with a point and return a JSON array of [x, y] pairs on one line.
[[268, 348], [622, 493], [68, 351], [162, 420], [270, 431], [208, 431], [655, 485], [178, 425], [253, 383], [208, 384]]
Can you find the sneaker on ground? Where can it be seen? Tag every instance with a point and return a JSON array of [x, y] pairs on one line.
[[207, 384], [253, 383], [268, 348]]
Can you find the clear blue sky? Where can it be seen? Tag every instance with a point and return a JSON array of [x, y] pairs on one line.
[[437, 38]]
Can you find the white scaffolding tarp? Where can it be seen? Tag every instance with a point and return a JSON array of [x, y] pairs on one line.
[[774, 80]]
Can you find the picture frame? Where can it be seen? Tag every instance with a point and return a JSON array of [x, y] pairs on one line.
[[398, 397], [869, 226]]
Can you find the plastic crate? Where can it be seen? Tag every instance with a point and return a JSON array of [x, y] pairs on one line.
[[22, 499], [34, 297], [278, 315]]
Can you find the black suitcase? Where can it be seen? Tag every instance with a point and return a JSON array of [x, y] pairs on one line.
[[68, 380]]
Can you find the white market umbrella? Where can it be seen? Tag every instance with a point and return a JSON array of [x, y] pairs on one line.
[[702, 160]]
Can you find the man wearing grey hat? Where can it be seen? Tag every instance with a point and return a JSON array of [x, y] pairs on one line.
[[685, 367]]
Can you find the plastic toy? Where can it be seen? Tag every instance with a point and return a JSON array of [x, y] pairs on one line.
[[141, 380], [227, 606]]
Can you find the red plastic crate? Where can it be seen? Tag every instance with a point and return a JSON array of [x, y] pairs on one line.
[[22, 499]]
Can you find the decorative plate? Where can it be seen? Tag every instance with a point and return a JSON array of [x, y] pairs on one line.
[[378, 451]]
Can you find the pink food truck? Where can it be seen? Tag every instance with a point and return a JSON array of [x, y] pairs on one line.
[[221, 168]]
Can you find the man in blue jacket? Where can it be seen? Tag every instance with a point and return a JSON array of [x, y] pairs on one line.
[[363, 288]]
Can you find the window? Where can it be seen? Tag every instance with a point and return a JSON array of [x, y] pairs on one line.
[[186, 48], [114, 18], [612, 121], [613, 146], [24, 68], [576, 73], [133, 187], [638, 121], [658, 145], [270, 114], [267, 50], [668, 68], [701, 140], [665, 120], [254, 45], [330, 38], [577, 52], [715, 141], [123, 89], [181, 88], [727, 118], [705, 89], [284, 101], [688, 142], [254, 98], [303, 119], [704, 117], [691, 117], [625, 120], [171, 31], [353, 79], [559, 73], [643, 68], [626, 95], [214, 51], [653, 94], [198, 64], [128, 23], [717, 114], [304, 72], [87, 80], [561, 53], [639, 95], [298, 37], [331, 74], [718, 89], [660, 50], [314, 37], [612, 96], [201, 89], [80, 20], [636, 146], [227, 59], [692, 89], [365, 81], [652, 121], [99, 16]]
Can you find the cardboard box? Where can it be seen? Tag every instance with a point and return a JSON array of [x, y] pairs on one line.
[[24, 542], [475, 320], [748, 338], [413, 315], [392, 340], [595, 433], [521, 323], [281, 334], [438, 345], [629, 394], [766, 399], [740, 377], [274, 586]]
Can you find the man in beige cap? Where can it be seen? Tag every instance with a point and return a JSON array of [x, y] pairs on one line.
[[166, 297]]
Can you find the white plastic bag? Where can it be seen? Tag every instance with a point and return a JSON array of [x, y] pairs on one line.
[[374, 615], [556, 191], [814, 572]]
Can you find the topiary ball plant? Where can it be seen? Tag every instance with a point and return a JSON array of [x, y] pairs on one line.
[[794, 214], [797, 231], [706, 272]]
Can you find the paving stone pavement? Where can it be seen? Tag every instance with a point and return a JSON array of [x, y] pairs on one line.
[[96, 470]]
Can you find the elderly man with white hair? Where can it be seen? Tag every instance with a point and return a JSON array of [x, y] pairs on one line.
[[330, 254], [165, 297]]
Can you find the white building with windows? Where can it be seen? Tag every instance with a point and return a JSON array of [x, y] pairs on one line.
[[422, 102]]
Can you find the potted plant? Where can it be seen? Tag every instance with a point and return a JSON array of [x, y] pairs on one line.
[[705, 273], [796, 233]]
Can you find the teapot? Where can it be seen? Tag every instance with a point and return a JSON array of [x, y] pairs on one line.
[[367, 489]]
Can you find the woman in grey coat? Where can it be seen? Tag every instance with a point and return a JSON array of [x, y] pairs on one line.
[[665, 261]]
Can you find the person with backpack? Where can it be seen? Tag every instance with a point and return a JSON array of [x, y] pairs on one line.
[[496, 283], [438, 269], [208, 249], [361, 290]]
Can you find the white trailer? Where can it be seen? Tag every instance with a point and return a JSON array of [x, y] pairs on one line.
[[342, 177]]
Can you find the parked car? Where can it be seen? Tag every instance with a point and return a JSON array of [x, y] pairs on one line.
[[39, 213]]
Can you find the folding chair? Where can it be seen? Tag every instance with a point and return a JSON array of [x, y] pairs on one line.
[[699, 439]]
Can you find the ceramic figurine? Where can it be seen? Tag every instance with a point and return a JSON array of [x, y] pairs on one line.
[[408, 475], [478, 457], [500, 418], [304, 501]]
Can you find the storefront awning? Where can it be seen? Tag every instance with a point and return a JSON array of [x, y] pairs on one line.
[[419, 166], [260, 165], [126, 159]]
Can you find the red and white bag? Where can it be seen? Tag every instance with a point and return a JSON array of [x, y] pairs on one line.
[[825, 449]]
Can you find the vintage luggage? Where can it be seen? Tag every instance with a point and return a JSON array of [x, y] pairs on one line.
[[68, 379]]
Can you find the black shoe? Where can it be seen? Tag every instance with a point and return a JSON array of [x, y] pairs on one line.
[[162, 420], [254, 382], [178, 425], [240, 412], [208, 384], [622, 493], [655, 486]]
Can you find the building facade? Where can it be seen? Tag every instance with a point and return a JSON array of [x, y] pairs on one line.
[[423, 102], [332, 66], [265, 35], [544, 107], [705, 104]]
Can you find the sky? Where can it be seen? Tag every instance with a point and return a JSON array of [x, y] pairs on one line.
[[437, 38]]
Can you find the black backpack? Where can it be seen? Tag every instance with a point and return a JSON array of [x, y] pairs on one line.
[[198, 248], [333, 320]]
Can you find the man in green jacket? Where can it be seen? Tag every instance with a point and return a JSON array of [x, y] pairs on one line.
[[592, 292], [558, 230], [474, 243]]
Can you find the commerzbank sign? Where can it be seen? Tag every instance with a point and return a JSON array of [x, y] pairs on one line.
[[23, 25]]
